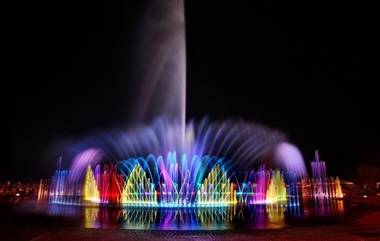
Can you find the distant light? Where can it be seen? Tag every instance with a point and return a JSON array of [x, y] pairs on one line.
[[17, 194], [365, 196]]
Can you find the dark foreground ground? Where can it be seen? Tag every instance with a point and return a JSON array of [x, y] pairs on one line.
[[355, 232], [364, 227]]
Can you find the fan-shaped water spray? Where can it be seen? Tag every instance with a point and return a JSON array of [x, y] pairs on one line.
[[166, 162]]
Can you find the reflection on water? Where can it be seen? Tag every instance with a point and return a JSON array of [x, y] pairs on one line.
[[164, 219], [323, 208], [256, 217]]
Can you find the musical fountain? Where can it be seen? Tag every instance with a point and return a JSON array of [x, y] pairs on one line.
[[170, 164]]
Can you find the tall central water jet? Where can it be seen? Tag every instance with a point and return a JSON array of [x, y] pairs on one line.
[[162, 64], [169, 163]]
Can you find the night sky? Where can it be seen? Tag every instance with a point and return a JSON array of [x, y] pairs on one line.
[[294, 66]]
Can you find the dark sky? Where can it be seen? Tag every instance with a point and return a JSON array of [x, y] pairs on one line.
[[295, 66]]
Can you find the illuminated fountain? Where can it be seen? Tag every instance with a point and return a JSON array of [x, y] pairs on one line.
[[269, 187], [162, 161], [138, 189], [254, 189], [276, 193], [216, 189], [162, 182], [90, 188], [263, 179], [176, 192], [163, 172], [110, 183], [174, 181], [158, 182], [59, 186], [293, 194], [320, 187], [43, 190]]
